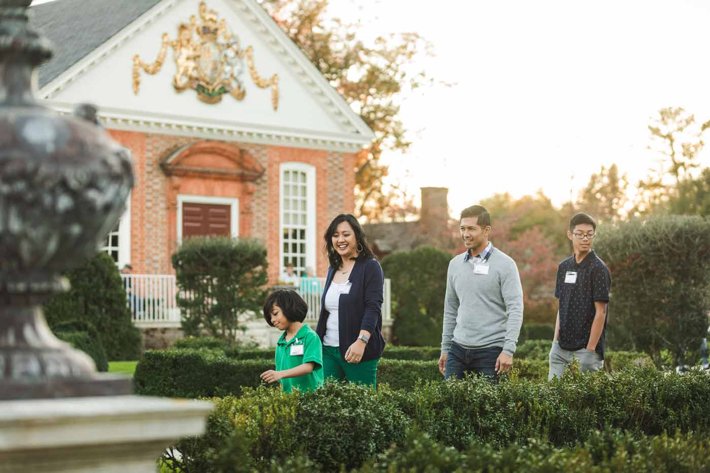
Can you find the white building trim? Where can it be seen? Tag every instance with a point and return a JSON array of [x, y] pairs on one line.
[[310, 172]]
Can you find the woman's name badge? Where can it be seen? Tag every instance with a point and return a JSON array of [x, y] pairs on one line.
[[480, 269], [296, 350], [571, 277]]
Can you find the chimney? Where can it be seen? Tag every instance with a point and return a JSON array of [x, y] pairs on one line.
[[435, 207]]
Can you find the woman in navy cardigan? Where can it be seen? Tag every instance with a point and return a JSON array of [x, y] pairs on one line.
[[350, 322]]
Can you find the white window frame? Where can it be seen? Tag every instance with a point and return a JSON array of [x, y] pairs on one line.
[[311, 216], [204, 199], [124, 236]]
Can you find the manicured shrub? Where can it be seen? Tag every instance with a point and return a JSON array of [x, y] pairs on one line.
[[534, 349], [605, 451], [418, 287], [423, 353], [345, 424], [196, 373], [533, 331], [90, 345], [97, 298], [196, 343], [659, 306], [514, 424], [338, 424], [219, 279]]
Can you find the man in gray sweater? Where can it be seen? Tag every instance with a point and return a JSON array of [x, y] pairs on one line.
[[483, 307]]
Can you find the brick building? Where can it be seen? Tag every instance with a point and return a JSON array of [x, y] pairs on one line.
[[231, 128]]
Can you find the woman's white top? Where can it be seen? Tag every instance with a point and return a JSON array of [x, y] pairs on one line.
[[332, 298]]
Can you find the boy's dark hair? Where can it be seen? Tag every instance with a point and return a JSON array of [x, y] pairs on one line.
[[292, 305], [580, 219], [483, 218]]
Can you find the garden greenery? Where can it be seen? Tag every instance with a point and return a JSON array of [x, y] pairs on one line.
[[418, 287], [97, 300], [660, 284], [637, 418], [219, 279]]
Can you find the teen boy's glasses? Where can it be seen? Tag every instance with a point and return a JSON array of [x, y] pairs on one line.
[[583, 236]]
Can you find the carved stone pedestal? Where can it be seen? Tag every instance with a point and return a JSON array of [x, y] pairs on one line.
[[123, 434]]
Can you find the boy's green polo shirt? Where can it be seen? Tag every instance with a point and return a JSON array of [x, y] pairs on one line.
[[289, 355]]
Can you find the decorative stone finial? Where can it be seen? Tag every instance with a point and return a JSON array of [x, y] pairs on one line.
[[63, 186]]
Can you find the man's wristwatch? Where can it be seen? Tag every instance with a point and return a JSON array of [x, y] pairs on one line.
[[363, 338]]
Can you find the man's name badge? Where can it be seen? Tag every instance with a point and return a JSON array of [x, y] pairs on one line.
[[296, 350], [480, 269], [571, 277]]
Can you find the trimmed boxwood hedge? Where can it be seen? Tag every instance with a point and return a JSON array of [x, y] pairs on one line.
[[498, 423], [605, 451], [90, 345], [206, 372]]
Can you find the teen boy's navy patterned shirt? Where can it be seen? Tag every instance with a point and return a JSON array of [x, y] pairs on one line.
[[593, 283]]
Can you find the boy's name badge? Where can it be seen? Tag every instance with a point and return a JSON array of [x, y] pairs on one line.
[[480, 269], [571, 277], [296, 350]]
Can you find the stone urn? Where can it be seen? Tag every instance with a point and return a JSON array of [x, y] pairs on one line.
[[63, 187]]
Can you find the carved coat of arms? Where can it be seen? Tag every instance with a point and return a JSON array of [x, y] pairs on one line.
[[209, 60]]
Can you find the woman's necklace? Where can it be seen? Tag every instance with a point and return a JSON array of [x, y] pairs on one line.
[[344, 271]]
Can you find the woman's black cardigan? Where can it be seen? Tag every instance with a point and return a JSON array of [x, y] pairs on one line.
[[360, 309]]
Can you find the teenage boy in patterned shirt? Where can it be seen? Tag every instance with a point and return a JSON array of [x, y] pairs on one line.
[[583, 285]]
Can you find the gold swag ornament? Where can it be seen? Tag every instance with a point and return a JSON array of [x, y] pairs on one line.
[[209, 60]]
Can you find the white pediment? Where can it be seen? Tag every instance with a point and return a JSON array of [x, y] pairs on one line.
[[309, 112]]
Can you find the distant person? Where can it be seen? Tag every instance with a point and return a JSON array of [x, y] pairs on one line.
[[483, 306], [582, 289], [289, 276], [298, 356], [350, 321], [309, 284], [134, 302]]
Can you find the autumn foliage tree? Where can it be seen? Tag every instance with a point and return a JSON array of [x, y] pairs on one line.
[[677, 138], [532, 231], [370, 77], [605, 195]]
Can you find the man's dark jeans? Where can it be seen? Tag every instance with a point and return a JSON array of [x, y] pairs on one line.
[[462, 360]]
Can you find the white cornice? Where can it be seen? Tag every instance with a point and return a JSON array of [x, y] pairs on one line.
[[357, 135], [244, 133]]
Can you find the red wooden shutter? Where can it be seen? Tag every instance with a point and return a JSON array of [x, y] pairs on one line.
[[205, 220]]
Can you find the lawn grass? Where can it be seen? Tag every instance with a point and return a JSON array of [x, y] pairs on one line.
[[124, 367]]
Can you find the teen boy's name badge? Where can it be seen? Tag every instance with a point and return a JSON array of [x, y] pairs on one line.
[[571, 277], [480, 269], [296, 350]]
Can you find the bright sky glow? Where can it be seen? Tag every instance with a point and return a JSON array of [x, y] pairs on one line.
[[546, 91]]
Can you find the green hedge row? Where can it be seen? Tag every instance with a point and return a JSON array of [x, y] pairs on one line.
[[515, 421], [606, 451], [207, 373]]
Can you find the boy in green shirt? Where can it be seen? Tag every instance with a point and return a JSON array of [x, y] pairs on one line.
[[299, 354]]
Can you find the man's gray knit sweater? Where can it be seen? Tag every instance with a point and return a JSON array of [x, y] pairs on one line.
[[483, 310]]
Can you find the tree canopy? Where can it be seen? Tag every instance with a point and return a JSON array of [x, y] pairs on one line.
[[370, 77]]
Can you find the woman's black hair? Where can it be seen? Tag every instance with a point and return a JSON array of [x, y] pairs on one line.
[[291, 304], [364, 250]]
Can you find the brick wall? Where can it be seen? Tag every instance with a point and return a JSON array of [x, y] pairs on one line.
[[154, 197]]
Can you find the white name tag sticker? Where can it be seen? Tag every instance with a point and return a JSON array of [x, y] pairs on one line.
[[296, 350], [480, 269], [571, 277]]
